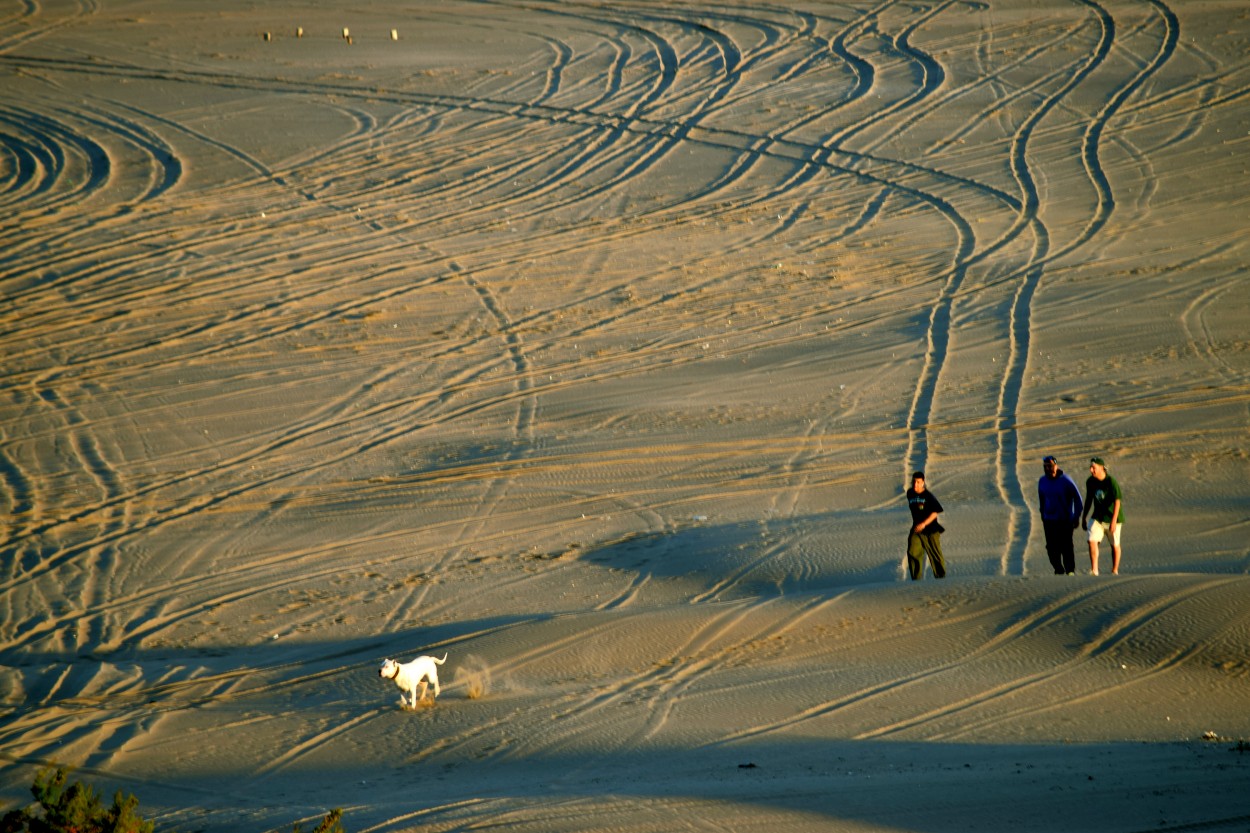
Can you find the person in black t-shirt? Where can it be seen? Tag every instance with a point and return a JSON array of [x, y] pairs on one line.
[[925, 537]]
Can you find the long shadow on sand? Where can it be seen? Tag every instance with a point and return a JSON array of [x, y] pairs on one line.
[[790, 784], [739, 560]]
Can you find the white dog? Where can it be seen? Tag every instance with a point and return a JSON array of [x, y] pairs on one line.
[[409, 675]]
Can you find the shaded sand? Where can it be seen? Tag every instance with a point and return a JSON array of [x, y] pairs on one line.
[[592, 345]]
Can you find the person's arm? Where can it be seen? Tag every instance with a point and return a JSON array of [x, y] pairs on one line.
[[1074, 501], [1089, 500], [1115, 516], [932, 517]]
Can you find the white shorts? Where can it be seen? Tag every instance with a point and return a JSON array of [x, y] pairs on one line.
[[1098, 529]]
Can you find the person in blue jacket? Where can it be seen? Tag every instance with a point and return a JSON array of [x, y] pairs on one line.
[[1059, 501]]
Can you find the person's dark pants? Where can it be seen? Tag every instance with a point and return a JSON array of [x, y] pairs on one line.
[[920, 545], [1059, 546]]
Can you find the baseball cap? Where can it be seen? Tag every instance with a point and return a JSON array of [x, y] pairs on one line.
[[1098, 460]]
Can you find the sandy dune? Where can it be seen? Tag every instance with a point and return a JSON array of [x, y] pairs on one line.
[[592, 344]]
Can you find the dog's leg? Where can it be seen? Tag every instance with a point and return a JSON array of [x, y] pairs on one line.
[[424, 685]]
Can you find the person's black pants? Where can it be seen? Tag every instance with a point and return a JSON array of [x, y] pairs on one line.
[[1059, 546]]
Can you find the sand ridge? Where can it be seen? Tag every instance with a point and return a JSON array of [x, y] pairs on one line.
[[593, 345]]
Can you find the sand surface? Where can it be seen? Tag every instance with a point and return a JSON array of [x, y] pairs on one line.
[[592, 345]]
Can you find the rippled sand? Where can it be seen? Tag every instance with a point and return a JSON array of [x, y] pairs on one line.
[[592, 344]]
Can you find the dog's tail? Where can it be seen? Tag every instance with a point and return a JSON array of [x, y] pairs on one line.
[[440, 661]]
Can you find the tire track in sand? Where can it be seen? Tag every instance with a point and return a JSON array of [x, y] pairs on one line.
[[1015, 371]]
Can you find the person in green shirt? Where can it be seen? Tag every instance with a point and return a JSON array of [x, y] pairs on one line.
[[1103, 506]]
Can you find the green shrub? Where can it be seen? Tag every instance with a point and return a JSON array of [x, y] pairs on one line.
[[332, 823], [73, 807]]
